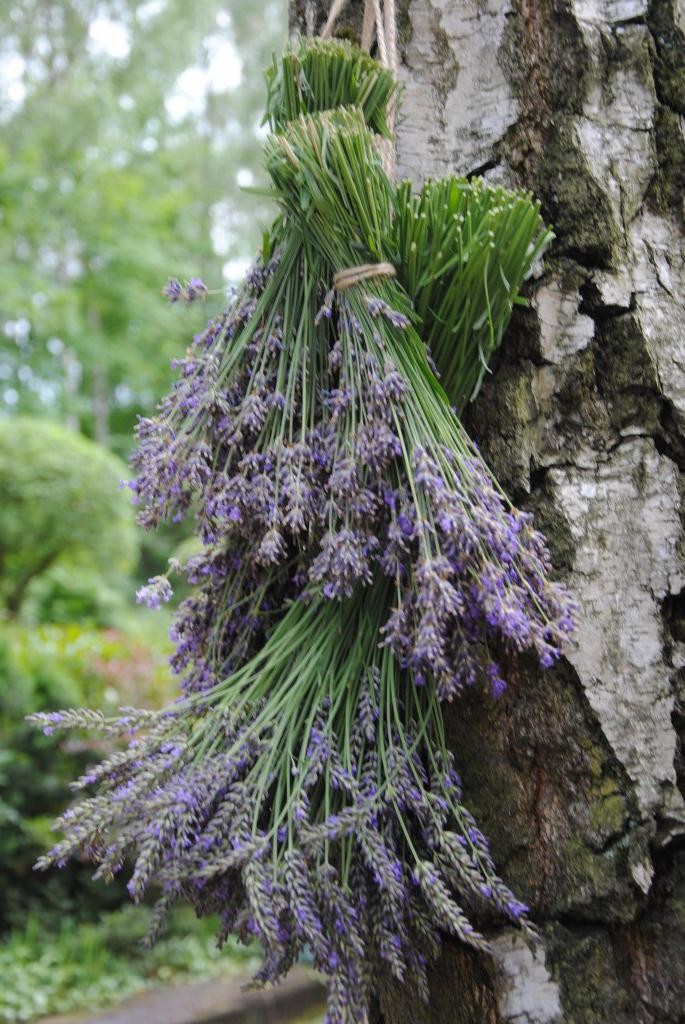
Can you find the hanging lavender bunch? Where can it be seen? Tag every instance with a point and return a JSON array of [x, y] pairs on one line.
[[308, 803], [467, 568], [359, 564]]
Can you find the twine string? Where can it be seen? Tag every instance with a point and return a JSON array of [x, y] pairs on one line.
[[337, 7], [345, 279], [381, 17], [368, 26]]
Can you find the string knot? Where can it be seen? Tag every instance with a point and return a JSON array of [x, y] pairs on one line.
[[344, 279]]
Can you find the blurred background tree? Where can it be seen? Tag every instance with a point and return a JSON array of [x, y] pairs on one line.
[[128, 130]]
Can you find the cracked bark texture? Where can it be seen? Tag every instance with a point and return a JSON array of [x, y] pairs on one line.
[[578, 775]]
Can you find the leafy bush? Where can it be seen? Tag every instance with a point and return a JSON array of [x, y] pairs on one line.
[[59, 504], [66, 595], [42, 669]]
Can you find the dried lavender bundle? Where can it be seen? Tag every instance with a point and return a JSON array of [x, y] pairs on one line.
[[359, 564], [467, 568], [308, 803]]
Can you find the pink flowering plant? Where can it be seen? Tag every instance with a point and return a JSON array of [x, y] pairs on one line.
[[360, 565]]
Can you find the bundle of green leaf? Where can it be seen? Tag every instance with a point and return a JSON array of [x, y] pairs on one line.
[[359, 565]]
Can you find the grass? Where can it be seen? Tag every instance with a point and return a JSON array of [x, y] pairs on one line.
[[72, 966]]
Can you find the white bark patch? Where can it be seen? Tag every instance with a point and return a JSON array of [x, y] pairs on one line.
[[526, 994], [457, 102], [659, 284], [614, 135], [615, 289], [609, 11], [563, 330], [643, 875], [624, 514], [680, 15]]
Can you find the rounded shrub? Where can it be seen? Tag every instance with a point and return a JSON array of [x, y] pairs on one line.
[[60, 503]]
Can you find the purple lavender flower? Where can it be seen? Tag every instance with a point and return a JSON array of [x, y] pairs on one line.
[[326, 310], [498, 685], [195, 289], [155, 593], [173, 290], [342, 563], [378, 307], [272, 549]]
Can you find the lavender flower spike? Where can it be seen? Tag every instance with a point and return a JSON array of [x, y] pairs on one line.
[[156, 592]]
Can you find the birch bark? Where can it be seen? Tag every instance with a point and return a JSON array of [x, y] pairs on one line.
[[579, 775]]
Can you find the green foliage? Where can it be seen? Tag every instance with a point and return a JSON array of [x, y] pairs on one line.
[[65, 595], [41, 669], [60, 502], [111, 178], [83, 966]]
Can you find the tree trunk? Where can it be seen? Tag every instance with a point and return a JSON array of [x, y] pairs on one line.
[[577, 776]]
